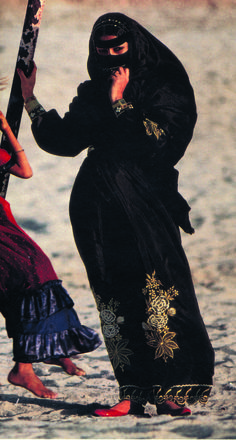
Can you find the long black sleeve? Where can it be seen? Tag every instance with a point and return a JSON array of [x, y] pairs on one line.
[[76, 131]]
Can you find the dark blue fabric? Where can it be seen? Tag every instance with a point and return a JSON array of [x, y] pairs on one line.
[[60, 321], [45, 301], [60, 335], [44, 325], [35, 305]]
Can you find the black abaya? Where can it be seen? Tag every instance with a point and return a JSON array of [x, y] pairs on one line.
[[126, 212]]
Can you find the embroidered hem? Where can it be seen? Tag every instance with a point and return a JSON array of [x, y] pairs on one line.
[[180, 394]]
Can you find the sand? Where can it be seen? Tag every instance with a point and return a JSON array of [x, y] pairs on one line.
[[203, 37]]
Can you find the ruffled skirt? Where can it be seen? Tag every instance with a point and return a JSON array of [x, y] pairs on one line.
[[38, 310], [44, 325]]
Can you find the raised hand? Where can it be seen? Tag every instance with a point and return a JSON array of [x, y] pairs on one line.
[[119, 80]]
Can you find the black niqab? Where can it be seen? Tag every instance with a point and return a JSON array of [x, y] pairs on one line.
[[159, 84]]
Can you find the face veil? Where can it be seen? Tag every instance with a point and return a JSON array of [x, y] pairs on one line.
[[154, 70], [145, 51], [99, 66]]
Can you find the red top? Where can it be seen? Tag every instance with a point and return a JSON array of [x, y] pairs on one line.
[[22, 261], [4, 157]]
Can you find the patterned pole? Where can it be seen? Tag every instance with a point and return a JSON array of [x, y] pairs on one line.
[[24, 61]]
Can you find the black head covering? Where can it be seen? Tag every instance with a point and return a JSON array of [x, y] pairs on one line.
[[158, 86], [99, 66], [145, 51]]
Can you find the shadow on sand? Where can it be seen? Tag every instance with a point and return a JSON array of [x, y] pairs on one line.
[[75, 409]]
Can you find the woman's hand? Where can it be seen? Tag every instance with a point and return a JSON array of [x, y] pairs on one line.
[[27, 83], [3, 123], [119, 81]]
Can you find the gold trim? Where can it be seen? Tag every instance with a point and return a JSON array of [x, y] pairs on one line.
[[180, 394], [120, 106]]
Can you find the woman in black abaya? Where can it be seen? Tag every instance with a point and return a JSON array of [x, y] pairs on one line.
[[136, 114]]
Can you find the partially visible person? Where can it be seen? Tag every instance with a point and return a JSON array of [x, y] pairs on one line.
[[39, 313]]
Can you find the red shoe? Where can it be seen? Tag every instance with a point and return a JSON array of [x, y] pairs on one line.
[[185, 412], [133, 409], [164, 409], [109, 413]]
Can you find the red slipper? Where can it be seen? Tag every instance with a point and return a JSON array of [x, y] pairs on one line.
[[133, 409], [109, 413], [165, 410]]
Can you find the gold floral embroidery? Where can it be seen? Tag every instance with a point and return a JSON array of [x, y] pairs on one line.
[[152, 128], [118, 352], [156, 328], [117, 347]]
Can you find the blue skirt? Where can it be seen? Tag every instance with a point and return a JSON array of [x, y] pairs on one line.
[[44, 325]]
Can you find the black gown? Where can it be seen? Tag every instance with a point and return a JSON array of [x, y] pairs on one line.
[[126, 211]]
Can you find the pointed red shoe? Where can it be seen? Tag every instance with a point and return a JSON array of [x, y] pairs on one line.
[[166, 410], [185, 412], [109, 413], [132, 409]]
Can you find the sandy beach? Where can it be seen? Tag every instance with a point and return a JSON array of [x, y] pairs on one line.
[[203, 37]]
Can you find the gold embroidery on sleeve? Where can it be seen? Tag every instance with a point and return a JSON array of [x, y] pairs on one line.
[[153, 128]]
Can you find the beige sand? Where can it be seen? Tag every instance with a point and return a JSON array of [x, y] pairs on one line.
[[204, 39]]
